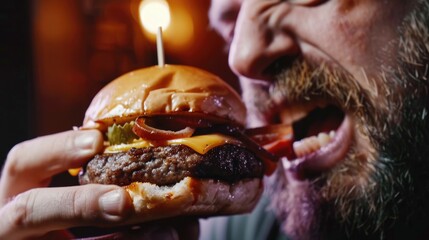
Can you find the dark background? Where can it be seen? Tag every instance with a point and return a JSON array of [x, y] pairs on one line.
[[16, 89]]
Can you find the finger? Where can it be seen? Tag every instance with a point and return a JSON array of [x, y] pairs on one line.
[[55, 153], [39, 211], [30, 164]]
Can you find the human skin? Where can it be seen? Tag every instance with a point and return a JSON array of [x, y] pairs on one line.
[[31, 209], [333, 32], [28, 208], [277, 48]]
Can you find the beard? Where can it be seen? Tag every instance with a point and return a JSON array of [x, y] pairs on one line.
[[381, 188]]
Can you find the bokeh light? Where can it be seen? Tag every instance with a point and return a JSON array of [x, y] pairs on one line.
[[154, 14]]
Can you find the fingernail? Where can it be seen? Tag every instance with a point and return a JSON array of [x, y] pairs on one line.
[[86, 140], [113, 204]]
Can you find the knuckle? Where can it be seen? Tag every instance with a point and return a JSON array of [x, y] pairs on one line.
[[69, 140], [20, 209], [83, 205], [76, 203], [12, 165]]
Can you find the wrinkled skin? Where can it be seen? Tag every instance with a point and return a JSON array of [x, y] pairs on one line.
[[368, 57]]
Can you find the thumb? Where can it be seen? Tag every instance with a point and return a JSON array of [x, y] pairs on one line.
[[38, 211]]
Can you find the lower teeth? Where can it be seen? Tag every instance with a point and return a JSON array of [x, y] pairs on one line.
[[312, 144]]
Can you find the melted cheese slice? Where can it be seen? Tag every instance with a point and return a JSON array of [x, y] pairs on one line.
[[201, 144]]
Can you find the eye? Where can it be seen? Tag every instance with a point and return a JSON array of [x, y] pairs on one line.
[[306, 2]]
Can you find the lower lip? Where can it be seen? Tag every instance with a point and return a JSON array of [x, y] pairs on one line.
[[325, 158]]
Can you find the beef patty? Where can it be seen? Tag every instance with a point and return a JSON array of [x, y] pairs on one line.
[[169, 164]]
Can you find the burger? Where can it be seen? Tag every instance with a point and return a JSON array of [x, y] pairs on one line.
[[175, 142]]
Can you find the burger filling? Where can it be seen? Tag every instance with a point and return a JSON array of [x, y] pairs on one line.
[[164, 150], [169, 164]]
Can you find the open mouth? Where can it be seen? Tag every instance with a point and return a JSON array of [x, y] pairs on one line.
[[321, 138], [316, 130]]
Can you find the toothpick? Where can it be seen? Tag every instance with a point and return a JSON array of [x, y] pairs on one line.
[[160, 47]]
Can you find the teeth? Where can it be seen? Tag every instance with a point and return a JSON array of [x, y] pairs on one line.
[[323, 139], [312, 144]]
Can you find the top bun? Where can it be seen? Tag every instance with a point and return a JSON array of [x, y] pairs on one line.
[[163, 90]]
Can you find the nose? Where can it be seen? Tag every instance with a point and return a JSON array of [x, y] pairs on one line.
[[262, 44]]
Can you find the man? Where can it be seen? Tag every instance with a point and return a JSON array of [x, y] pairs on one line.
[[352, 77], [350, 74]]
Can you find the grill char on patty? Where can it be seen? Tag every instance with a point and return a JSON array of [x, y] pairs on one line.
[[169, 164]]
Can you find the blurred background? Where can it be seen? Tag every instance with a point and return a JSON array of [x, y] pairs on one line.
[[56, 54]]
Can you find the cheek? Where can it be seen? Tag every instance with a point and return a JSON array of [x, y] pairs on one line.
[[356, 52], [350, 44], [341, 30], [350, 39], [352, 34]]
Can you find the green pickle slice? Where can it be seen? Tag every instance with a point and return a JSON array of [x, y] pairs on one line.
[[117, 134]]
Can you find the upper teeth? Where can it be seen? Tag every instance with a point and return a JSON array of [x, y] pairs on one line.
[[312, 144]]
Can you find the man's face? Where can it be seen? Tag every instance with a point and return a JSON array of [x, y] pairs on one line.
[[351, 76]]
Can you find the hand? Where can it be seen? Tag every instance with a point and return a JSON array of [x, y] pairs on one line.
[[29, 209]]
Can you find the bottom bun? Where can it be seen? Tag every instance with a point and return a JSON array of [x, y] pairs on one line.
[[194, 197]]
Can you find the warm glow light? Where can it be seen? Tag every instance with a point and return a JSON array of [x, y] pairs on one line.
[[154, 14]]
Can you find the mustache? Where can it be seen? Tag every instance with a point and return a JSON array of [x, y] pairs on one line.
[[303, 82]]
